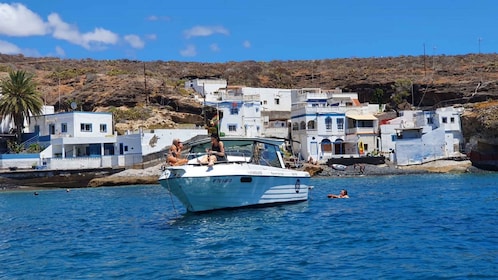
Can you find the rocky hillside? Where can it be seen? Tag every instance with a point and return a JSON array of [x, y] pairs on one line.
[[152, 94]]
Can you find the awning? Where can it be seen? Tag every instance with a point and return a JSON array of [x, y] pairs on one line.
[[361, 117]]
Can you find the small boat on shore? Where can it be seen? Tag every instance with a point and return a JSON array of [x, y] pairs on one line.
[[253, 174], [340, 167]]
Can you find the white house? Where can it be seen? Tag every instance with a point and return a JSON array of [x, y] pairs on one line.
[[240, 114], [74, 135], [327, 124], [417, 137], [272, 114], [79, 140], [208, 88]]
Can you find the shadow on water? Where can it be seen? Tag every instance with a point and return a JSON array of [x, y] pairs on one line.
[[233, 217]]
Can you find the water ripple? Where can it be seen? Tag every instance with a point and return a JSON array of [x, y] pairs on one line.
[[408, 227]]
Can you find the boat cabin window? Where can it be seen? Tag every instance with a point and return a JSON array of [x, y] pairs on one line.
[[233, 148], [243, 150], [265, 154]]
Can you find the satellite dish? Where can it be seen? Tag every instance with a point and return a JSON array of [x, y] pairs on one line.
[[74, 105]]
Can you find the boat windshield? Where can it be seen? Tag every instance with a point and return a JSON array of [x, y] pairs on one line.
[[266, 154], [233, 148], [244, 150]]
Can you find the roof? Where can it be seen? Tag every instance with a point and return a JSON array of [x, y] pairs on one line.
[[361, 117]]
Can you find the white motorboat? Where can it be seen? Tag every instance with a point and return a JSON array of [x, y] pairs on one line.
[[253, 174]]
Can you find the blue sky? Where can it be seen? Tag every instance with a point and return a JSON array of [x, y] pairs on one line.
[[236, 30]]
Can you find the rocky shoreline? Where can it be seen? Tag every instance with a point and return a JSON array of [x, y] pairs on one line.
[[149, 176]]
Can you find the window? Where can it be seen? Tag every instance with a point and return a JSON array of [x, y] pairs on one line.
[[51, 129], [328, 123], [277, 101], [103, 127], [452, 120], [232, 127], [311, 125], [445, 119], [430, 120], [63, 127], [234, 111], [364, 123], [302, 125], [86, 127], [340, 123], [295, 126]]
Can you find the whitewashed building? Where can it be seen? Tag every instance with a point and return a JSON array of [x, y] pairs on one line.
[[76, 135], [239, 113], [416, 137], [331, 123], [207, 88], [86, 140], [272, 115]]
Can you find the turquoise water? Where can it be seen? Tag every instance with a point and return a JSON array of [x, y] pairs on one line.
[[392, 227]]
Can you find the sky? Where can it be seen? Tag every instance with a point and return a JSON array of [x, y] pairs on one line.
[[241, 30]]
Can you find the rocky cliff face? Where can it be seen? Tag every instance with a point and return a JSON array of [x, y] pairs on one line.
[[152, 94]]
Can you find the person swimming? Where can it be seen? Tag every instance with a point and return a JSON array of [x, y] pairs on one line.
[[343, 194]]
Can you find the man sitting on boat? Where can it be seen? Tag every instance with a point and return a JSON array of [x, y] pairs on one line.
[[174, 154], [216, 153]]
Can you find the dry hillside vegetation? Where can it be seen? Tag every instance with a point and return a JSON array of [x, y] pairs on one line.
[[152, 94]]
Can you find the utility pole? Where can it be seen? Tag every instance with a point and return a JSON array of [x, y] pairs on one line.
[[145, 88], [425, 68], [434, 58]]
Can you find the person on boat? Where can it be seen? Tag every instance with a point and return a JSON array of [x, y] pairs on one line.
[[216, 153], [343, 194], [174, 154]]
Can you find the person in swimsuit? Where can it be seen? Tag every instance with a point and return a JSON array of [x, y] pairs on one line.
[[216, 153], [174, 155]]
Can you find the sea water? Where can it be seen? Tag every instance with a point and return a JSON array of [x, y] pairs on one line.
[[391, 227]]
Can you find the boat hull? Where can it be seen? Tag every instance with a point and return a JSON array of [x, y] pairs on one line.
[[200, 188]]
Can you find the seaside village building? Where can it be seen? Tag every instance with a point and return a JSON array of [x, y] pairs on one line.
[[332, 124], [87, 140], [319, 124], [246, 111], [416, 137]]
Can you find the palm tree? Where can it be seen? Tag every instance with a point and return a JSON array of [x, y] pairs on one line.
[[19, 99]]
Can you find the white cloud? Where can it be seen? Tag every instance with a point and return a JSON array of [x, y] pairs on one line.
[[151, 37], [158, 18], [215, 47], [17, 20], [9, 48], [90, 40], [60, 51], [134, 41], [189, 51], [198, 31], [246, 44]]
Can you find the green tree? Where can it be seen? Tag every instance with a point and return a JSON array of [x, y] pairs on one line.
[[19, 99], [379, 97], [402, 89]]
